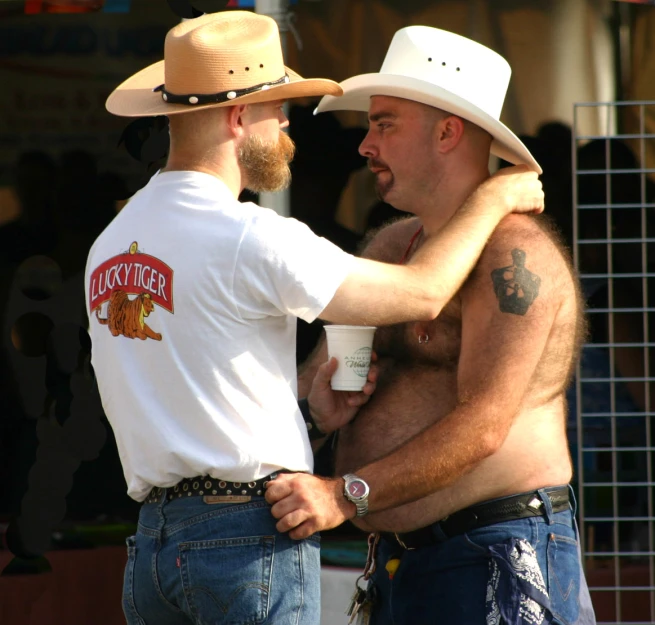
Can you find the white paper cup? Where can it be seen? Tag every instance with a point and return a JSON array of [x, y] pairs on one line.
[[351, 346]]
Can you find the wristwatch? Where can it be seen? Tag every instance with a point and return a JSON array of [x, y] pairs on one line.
[[356, 490]]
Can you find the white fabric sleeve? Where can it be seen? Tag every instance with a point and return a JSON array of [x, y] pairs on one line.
[[283, 268]]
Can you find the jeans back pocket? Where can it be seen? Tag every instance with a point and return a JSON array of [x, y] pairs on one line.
[[564, 575], [228, 581], [129, 608]]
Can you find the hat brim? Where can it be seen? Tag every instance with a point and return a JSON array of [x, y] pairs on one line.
[[135, 96], [357, 92]]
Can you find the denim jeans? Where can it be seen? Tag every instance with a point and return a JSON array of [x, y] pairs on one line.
[[198, 563], [449, 583]]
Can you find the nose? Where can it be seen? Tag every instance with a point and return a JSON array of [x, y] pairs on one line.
[[367, 147]]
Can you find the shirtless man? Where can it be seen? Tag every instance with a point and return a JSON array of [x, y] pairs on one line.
[[459, 463]]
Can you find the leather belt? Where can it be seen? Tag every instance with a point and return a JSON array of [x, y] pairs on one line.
[[209, 486], [479, 515]]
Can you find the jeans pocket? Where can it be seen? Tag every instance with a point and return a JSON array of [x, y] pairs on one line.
[[564, 574], [129, 608], [228, 581]]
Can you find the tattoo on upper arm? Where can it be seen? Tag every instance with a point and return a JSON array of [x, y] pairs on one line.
[[516, 287]]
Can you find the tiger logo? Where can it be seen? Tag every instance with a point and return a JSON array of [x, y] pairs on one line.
[[127, 316]]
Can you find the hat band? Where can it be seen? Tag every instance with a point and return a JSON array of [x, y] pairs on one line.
[[213, 98]]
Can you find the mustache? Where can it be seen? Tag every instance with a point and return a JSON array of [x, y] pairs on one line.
[[377, 164]]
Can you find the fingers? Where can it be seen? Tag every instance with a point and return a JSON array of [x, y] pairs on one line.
[[373, 372], [293, 512], [359, 400], [291, 520], [304, 530], [325, 372], [279, 488]]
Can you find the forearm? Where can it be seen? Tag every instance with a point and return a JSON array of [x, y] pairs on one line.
[[383, 294], [445, 259], [436, 457]]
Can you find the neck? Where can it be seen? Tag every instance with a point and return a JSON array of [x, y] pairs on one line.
[[452, 192], [218, 162]]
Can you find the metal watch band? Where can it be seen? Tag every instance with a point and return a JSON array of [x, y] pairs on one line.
[[361, 503]]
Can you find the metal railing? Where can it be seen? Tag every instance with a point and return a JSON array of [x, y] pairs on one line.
[[614, 254]]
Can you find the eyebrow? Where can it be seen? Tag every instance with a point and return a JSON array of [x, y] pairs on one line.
[[381, 115]]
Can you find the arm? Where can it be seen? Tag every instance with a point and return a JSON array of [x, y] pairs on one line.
[[492, 384], [381, 294]]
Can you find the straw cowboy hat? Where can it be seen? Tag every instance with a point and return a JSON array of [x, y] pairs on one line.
[[446, 71], [220, 59]]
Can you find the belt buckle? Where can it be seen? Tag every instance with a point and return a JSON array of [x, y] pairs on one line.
[[535, 504], [402, 544]]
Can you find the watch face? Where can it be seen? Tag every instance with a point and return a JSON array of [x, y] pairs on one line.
[[356, 488]]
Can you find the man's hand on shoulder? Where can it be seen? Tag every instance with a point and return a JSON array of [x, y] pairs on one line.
[[306, 504], [514, 189]]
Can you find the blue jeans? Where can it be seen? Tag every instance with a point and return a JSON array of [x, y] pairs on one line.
[[468, 579], [194, 563]]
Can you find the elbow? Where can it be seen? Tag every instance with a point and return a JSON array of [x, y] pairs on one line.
[[432, 311], [434, 304], [491, 442]]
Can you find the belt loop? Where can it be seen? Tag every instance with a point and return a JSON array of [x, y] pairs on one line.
[[371, 556], [548, 505], [573, 501]]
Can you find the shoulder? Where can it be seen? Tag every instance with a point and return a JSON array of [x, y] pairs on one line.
[[389, 243], [265, 226], [528, 252], [537, 237]]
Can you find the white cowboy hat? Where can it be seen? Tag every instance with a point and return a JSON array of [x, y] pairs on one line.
[[219, 59], [446, 71]]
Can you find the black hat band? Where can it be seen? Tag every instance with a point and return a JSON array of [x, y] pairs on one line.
[[214, 98]]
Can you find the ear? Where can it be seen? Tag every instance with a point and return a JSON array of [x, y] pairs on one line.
[[235, 121], [449, 132]]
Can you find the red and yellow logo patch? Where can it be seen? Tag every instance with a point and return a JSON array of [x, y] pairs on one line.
[[131, 273]]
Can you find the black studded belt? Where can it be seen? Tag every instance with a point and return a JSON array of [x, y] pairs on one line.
[[482, 514], [211, 487]]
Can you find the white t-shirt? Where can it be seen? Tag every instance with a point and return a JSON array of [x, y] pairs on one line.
[[192, 298]]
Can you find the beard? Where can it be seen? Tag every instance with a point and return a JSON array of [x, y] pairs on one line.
[[265, 164], [382, 188]]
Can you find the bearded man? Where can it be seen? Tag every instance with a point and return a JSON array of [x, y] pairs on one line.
[[197, 375]]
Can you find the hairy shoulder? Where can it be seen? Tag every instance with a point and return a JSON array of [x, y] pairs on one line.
[[525, 252], [389, 243], [536, 236]]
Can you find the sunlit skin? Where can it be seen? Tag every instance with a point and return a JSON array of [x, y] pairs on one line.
[[410, 148], [208, 140]]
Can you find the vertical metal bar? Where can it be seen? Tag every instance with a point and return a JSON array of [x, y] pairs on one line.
[[612, 365], [279, 201], [644, 288], [578, 369]]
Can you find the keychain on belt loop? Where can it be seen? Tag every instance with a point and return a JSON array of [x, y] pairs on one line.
[[358, 606]]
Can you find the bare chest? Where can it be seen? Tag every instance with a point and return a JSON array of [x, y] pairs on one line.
[[418, 377], [435, 343]]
